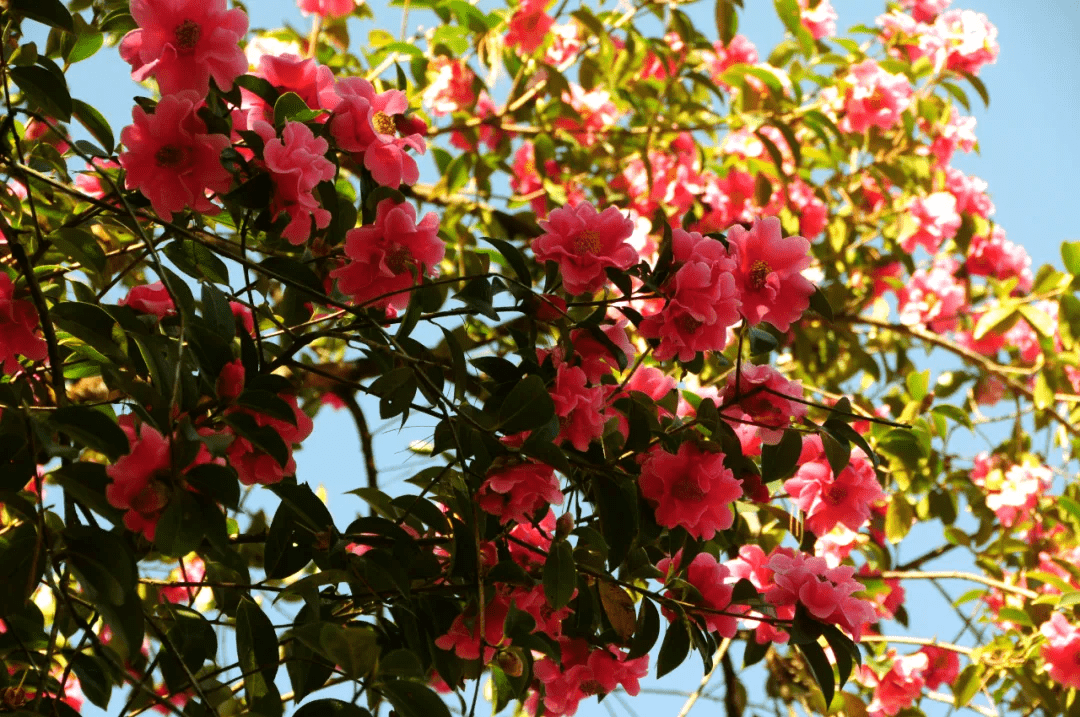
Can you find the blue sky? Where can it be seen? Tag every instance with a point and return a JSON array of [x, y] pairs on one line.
[[1030, 155]]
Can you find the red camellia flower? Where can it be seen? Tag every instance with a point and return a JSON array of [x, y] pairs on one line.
[[898, 688], [829, 500], [529, 26], [172, 159], [943, 668], [296, 165], [584, 242], [710, 578], [1062, 650], [387, 258], [252, 464], [770, 285], [761, 400], [876, 98], [150, 299], [326, 8], [136, 486], [692, 489], [18, 329], [183, 43], [827, 593], [582, 409], [517, 492]]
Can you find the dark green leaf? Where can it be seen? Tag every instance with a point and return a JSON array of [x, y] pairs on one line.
[[674, 648], [413, 699], [779, 461], [330, 707], [105, 567], [820, 303], [257, 650], [180, 529], [197, 261], [91, 428], [216, 482], [93, 677], [290, 107], [647, 630], [837, 451], [513, 258], [19, 571], [560, 575], [85, 46], [527, 406], [967, 683], [217, 313], [49, 12], [395, 391], [820, 667], [45, 90]]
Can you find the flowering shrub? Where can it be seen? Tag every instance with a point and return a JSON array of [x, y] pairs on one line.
[[667, 381]]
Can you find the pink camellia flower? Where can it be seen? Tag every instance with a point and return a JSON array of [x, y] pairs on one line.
[[807, 206], [768, 276], [150, 299], [829, 500], [988, 345], [387, 258], [970, 40], [19, 335], [89, 182], [898, 688], [827, 593], [595, 112], [819, 19], [582, 672], [191, 570], [452, 89], [957, 132], [51, 131], [752, 564], [703, 299], [243, 317], [297, 164], [943, 666], [994, 255], [710, 578], [135, 485], [327, 8], [582, 409], [373, 126], [538, 536], [1062, 650], [255, 466], [875, 98], [936, 220], [565, 43], [925, 10], [534, 601], [740, 51], [1018, 493], [517, 492], [463, 638], [172, 159], [529, 26], [970, 193], [762, 401], [690, 489], [288, 72], [597, 359], [584, 242], [183, 43], [933, 297]]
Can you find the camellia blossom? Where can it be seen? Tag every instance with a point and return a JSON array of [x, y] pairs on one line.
[[829, 500], [740, 51], [19, 335], [518, 491], [710, 578], [692, 489], [252, 464], [387, 258], [876, 98], [327, 8], [463, 638], [925, 10], [183, 43], [819, 19], [136, 485], [1061, 652], [584, 242], [172, 158], [827, 593], [582, 672], [761, 399], [970, 40], [933, 297], [943, 666], [936, 220], [150, 299], [582, 409], [993, 255], [898, 688], [452, 89], [771, 287], [297, 164], [529, 26]]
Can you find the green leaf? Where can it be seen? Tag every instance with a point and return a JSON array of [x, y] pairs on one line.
[[527, 406], [1069, 320], [674, 648], [217, 313], [837, 450], [395, 391], [93, 677], [820, 667], [353, 649], [1068, 600], [45, 90], [560, 575], [81, 246], [979, 87], [19, 572], [216, 482], [95, 123], [954, 413], [993, 321], [1070, 254], [180, 529], [967, 683], [104, 565], [48, 12], [330, 707], [647, 630], [413, 699], [898, 518], [513, 257], [257, 650], [791, 16], [84, 47], [196, 261], [291, 108], [91, 428], [779, 461], [1039, 320]]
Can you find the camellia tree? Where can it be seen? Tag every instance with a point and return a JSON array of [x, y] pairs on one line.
[[658, 301]]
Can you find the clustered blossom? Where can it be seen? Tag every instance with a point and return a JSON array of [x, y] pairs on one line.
[[691, 488], [252, 464], [710, 578], [581, 672], [991, 254], [153, 299], [296, 165], [1061, 652], [830, 500], [762, 398], [529, 26], [584, 243], [819, 18], [936, 220], [19, 335], [875, 98], [582, 409], [172, 158], [933, 297], [1014, 493], [183, 43], [139, 478], [827, 593], [387, 258], [327, 8], [899, 687], [517, 492]]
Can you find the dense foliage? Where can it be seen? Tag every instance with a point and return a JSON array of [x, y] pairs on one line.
[[660, 304]]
